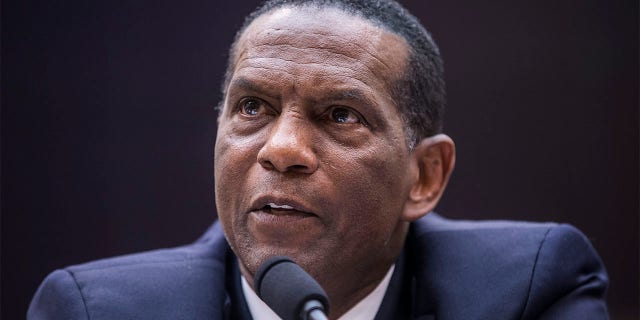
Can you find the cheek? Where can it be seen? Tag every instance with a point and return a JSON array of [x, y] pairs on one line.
[[231, 164], [233, 154], [373, 185], [377, 171]]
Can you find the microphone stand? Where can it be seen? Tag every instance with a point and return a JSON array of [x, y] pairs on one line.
[[313, 310]]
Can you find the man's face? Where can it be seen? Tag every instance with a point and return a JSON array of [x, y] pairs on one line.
[[310, 159]]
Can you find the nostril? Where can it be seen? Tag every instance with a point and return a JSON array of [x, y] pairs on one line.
[[266, 164], [297, 167]]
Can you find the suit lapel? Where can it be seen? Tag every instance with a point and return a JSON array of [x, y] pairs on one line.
[[236, 307], [399, 301]]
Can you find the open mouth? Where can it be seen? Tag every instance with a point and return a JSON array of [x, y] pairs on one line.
[[271, 206], [282, 209], [274, 220]]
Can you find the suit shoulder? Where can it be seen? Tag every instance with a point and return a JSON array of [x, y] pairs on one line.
[[569, 280], [58, 297], [500, 241], [436, 223], [178, 283], [209, 249], [183, 255], [493, 245], [517, 262]]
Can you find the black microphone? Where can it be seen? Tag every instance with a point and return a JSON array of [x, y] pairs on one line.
[[290, 291]]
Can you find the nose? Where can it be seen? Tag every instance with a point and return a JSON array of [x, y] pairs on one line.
[[289, 147]]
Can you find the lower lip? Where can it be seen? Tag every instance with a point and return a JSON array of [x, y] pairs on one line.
[[279, 216], [277, 226]]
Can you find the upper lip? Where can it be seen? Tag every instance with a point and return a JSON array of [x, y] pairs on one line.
[[265, 200]]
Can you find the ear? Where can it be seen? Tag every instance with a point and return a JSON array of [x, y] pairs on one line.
[[432, 162]]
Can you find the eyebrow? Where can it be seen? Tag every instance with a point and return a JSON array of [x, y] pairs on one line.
[[351, 94], [250, 85]]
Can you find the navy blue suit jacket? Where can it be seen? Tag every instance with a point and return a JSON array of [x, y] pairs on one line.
[[448, 270]]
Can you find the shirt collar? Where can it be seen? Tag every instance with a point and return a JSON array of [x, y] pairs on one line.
[[364, 309]]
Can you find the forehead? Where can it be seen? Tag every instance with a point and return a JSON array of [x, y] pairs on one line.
[[329, 39]]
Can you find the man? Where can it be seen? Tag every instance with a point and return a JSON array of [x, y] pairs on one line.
[[329, 150]]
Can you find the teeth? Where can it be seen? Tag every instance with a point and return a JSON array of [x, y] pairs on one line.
[[275, 206]]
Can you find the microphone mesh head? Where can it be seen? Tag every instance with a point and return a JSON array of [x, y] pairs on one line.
[[285, 287]]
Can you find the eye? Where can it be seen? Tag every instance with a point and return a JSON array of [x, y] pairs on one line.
[[344, 115], [251, 106]]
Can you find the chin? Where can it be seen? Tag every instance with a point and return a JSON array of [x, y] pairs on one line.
[[254, 257]]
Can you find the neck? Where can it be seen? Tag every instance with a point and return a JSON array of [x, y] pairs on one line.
[[346, 289]]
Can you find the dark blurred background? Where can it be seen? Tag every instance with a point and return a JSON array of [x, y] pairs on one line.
[[108, 125]]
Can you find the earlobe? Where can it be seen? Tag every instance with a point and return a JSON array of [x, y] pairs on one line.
[[433, 160]]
